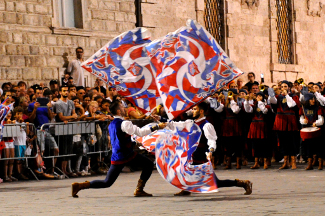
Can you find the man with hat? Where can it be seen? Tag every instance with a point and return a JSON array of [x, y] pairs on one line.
[[286, 122]]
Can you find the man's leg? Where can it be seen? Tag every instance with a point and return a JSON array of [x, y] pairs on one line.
[[246, 184], [112, 174], [147, 166]]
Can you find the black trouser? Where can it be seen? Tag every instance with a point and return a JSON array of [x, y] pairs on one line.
[[115, 170], [233, 144], [287, 141], [314, 147], [225, 183], [262, 148]]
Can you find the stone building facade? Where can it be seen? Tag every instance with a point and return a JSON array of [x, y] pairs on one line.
[[39, 37]]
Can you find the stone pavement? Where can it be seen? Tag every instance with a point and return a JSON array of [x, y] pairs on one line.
[[285, 192]]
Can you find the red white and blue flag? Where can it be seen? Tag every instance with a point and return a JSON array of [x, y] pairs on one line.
[[173, 148], [178, 70], [123, 63], [189, 65], [4, 111]]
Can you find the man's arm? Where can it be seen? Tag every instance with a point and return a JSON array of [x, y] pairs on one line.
[[32, 111], [131, 129]]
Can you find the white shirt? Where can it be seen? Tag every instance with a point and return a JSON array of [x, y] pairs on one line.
[[210, 133], [20, 140], [77, 72], [131, 129]]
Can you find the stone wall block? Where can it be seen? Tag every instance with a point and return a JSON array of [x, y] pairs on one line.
[[34, 50], [50, 40], [3, 73], [18, 38], [31, 73], [120, 17], [10, 18], [30, 8], [93, 3], [54, 61], [97, 25], [2, 48], [23, 50], [44, 50], [110, 26], [47, 73], [10, 6], [108, 5], [17, 61], [20, 18], [4, 60], [2, 5], [40, 9], [11, 49], [98, 14], [125, 6], [3, 36], [20, 7], [13, 73], [67, 41], [31, 19], [58, 51]]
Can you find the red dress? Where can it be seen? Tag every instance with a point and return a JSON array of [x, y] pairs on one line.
[[258, 127], [230, 125], [285, 119]]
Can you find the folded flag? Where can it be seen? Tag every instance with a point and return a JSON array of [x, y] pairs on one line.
[[4, 111]]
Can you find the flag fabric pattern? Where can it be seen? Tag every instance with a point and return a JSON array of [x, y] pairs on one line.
[[4, 110], [149, 142], [178, 70], [173, 150], [189, 65], [123, 64]]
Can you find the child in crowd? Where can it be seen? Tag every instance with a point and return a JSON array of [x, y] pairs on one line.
[[20, 141]]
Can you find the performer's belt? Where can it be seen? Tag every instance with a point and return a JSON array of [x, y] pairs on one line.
[[282, 113], [257, 121]]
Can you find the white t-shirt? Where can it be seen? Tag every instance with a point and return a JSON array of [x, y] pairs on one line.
[[20, 140]]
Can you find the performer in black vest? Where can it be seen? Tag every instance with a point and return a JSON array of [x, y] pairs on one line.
[[207, 143], [120, 132]]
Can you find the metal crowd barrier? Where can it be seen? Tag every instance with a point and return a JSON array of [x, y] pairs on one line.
[[12, 131], [83, 128]]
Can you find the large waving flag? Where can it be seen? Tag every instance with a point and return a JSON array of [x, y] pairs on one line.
[[189, 66], [178, 70], [173, 148], [123, 63]]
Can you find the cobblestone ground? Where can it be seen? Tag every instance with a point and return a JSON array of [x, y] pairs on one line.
[[285, 192]]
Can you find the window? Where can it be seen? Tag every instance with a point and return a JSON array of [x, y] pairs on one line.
[[69, 13], [284, 29], [214, 20]]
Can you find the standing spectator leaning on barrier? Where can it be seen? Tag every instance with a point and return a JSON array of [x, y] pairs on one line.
[[65, 111], [40, 115], [75, 69]]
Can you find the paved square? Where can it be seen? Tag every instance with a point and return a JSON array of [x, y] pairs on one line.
[[285, 192]]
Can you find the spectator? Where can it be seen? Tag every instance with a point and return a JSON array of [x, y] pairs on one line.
[[255, 88], [22, 84], [70, 81], [65, 111], [240, 83], [39, 116], [111, 93], [75, 70], [251, 78], [54, 84], [20, 141], [30, 91], [85, 103], [65, 80], [80, 94], [24, 103]]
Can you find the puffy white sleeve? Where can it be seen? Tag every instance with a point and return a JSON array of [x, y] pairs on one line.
[[234, 107], [219, 109], [273, 100], [302, 120], [248, 108], [211, 135], [320, 120], [262, 107], [129, 128], [290, 102], [320, 98]]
